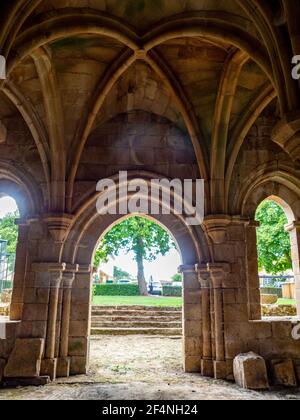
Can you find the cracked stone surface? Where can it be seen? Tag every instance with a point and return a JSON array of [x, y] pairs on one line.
[[140, 368]]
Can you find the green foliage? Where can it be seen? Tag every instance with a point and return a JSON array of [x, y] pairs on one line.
[[177, 278], [172, 291], [9, 231], [274, 249], [137, 234], [120, 274], [116, 290]]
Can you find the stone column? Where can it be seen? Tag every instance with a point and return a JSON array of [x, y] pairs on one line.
[[207, 356], [49, 364], [253, 286], [64, 362], [80, 320], [17, 301], [294, 231], [192, 319], [217, 274]]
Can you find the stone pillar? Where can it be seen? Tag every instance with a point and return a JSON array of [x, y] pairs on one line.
[[17, 301], [192, 319], [217, 275], [80, 320], [294, 231], [49, 364], [64, 362], [207, 352], [253, 286]]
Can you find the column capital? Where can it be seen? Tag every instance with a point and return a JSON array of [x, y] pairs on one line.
[[187, 269], [217, 273], [59, 225], [84, 268], [68, 280], [292, 226], [41, 267], [216, 227], [203, 276], [253, 224], [71, 268]]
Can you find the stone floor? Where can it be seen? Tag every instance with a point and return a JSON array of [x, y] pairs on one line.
[[140, 368]]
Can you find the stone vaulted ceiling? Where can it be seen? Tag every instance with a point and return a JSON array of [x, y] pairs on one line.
[[210, 67]]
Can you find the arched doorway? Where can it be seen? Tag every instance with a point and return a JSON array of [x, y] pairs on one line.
[[9, 214], [275, 258], [79, 249]]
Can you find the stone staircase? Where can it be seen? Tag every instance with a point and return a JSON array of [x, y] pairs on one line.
[[136, 320]]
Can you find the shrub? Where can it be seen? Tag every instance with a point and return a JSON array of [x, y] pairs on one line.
[[116, 290], [172, 291]]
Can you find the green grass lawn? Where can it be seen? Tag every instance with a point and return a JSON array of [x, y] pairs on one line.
[[286, 302], [137, 300]]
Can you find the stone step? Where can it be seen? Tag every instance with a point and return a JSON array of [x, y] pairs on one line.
[[135, 324], [125, 312], [170, 332], [138, 308], [136, 317]]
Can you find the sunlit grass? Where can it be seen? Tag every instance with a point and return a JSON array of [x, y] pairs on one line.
[[137, 300]]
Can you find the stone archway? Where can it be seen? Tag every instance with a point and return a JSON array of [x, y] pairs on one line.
[[287, 197], [79, 249]]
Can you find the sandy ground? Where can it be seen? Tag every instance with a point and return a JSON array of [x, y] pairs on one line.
[[146, 368]]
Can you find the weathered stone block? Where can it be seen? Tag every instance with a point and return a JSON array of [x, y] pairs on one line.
[[297, 370], [78, 346], [220, 370], [2, 366], [25, 359], [63, 367], [35, 312], [78, 366], [48, 368], [192, 364], [207, 368], [284, 373], [193, 346], [250, 371]]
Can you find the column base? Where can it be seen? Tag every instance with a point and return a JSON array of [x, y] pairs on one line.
[[192, 364], [48, 368], [63, 367], [220, 370], [207, 368]]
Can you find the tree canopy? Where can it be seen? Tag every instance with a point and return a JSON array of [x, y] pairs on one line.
[[274, 248], [9, 231], [120, 274], [146, 239]]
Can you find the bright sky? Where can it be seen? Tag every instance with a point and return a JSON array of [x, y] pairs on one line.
[[7, 205], [162, 269]]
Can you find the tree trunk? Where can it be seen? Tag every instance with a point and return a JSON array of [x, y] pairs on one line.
[[141, 273]]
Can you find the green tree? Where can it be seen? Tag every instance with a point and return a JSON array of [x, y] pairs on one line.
[[9, 231], [177, 278], [146, 239], [120, 274], [274, 248]]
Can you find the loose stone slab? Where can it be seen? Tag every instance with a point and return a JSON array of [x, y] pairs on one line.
[[284, 373], [25, 359], [2, 366], [250, 371]]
